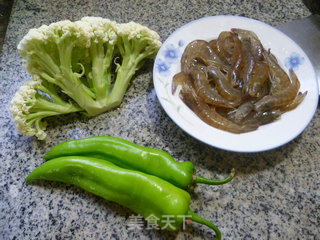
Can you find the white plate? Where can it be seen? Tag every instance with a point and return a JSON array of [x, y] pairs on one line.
[[288, 53]]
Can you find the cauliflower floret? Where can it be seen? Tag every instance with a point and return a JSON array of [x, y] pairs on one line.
[[134, 30], [29, 107], [22, 101], [103, 29]]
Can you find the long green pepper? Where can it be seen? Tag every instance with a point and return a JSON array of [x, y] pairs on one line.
[[143, 193], [131, 156]]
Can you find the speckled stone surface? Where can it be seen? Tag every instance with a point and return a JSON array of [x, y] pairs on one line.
[[275, 194]]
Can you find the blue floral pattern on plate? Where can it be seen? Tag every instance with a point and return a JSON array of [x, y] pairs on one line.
[[169, 59], [171, 53], [293, 61], [162, 67]]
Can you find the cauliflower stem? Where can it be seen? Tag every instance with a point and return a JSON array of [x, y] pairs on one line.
[[83, 66], [133, 53]]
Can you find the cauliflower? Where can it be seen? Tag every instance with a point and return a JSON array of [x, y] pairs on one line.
[[83, 66]]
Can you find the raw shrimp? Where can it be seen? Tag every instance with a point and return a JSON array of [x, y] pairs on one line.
[[256, 46], [213, 45], [265, 90], [263, 118], [298, 99], [219, 64], [260, 74], [202, 109], [225, 46], [248, 66], [234, 84], [237, 115], [205, 91], [236, 62], [198, 50], [280, 98], [179, 80], [211, 117], [223, 86], [278, 77]]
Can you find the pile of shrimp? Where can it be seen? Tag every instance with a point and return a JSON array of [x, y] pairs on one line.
[[234, 84]]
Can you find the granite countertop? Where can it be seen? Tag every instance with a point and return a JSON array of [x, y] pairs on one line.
[[275, 194]]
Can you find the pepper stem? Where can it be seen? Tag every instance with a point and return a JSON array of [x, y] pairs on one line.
[[209, 224], [200, 179]]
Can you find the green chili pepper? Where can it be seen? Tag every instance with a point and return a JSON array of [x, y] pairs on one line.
[[144, 194], [131, 156]]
